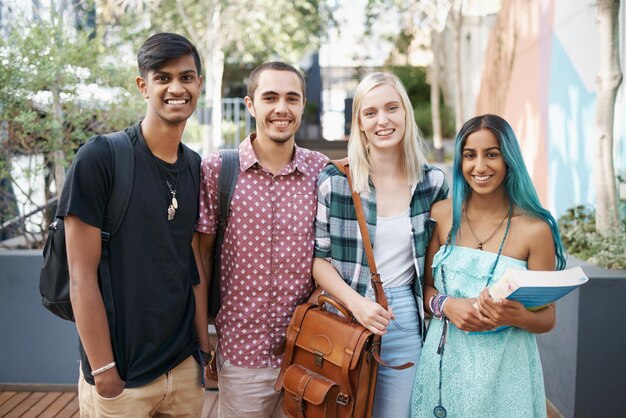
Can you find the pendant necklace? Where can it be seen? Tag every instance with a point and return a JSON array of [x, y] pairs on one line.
[[171, 209], [482, 242], [171, 191]]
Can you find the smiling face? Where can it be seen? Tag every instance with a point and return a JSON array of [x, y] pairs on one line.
[[482, 163], [172, 90], [277, 105], [382, 118]]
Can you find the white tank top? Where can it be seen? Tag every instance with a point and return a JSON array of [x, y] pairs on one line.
[[393, 250]]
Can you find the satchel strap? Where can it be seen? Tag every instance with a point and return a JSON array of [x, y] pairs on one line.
[[344, 166], [299, 397], [377, 284]]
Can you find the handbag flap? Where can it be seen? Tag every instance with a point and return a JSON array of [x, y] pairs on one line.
[[332, 336], [310, 386]]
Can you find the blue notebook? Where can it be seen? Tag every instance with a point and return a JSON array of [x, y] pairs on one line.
[[535, 289]]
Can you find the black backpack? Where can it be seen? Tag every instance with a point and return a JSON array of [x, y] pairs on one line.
[[227, 180], [54, 279]]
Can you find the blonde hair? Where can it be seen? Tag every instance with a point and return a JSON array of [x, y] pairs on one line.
[[412, 143]]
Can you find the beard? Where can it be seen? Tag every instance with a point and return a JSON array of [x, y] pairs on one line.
[[280, 140]]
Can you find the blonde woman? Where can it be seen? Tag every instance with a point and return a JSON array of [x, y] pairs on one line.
[[397, 188]]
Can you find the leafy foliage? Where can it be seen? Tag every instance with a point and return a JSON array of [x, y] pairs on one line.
[[252, 31], [44, 64], [579, 235], [56, 90]]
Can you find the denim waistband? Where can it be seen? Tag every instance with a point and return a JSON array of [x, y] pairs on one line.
[[406, 290], [391, 292]]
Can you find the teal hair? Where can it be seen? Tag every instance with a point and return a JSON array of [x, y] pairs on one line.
[[518, 185]]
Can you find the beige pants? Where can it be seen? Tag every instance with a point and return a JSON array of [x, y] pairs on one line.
[[177, 393], [248, 393]]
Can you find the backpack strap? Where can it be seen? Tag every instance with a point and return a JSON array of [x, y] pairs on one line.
[[227, 181], [193, 165], [190, 157], [123, 155]]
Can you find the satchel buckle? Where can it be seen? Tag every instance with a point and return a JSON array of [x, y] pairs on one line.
[[343, 399], [319, 359]]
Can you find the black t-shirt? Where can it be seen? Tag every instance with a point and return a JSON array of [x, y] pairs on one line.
[[149, 256]]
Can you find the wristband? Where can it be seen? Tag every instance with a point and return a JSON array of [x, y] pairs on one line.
[[430, 303], [103, 369]]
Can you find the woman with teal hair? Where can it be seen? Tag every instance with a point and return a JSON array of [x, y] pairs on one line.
[[480, 357]]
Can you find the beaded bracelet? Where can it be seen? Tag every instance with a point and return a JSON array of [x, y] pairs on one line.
[[103, 369], [436, 305], [443, 315]]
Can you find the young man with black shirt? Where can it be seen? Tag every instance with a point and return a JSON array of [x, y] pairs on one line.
[[138, 361]]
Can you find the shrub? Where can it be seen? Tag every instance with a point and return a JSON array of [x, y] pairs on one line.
[[578, 232]]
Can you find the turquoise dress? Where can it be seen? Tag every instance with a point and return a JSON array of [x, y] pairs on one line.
[[493, 374]]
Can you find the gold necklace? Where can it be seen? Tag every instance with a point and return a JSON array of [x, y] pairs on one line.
[[482, 242]]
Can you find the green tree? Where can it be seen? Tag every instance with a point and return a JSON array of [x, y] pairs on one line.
[[54, 93], [240, 31], [608, 82], [429, 18]]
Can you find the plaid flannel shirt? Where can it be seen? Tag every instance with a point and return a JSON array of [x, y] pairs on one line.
[[337, 235]]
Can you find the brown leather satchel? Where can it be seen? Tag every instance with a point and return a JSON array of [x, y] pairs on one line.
[[331, 361]]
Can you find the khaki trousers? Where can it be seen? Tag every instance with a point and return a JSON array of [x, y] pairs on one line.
[[247, 392], [177, 393]]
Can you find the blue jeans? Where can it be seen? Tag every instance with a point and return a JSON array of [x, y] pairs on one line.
[[401, 343]]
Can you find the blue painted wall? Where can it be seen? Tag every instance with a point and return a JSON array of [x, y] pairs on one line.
[[571, 113]]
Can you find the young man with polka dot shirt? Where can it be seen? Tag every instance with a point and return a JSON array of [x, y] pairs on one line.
[[268, 243]]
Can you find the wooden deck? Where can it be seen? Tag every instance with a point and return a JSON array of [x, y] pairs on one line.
[[14, 404]]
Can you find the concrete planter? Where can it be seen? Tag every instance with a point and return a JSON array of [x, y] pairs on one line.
[[584, 357], [36, 347]]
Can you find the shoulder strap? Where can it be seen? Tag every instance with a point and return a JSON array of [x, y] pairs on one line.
[[123, 155], [195, 169], [377, 284], [226, 182], [341, 164], [123, 171]]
